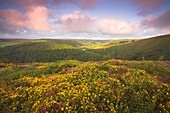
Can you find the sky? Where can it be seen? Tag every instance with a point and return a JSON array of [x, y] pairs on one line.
[[84, 19]]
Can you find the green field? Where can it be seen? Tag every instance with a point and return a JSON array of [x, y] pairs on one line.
[[69, 76], [50, 50]]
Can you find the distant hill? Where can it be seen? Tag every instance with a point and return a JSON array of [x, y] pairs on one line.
[[156, 48], [45, 50]]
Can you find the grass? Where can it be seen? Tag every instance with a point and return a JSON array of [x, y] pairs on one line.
[[50, 50]]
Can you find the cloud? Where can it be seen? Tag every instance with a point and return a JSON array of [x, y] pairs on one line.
[[157, 24], [37, 19], [160, 22], [34, 14], [145, 7], [30, 3], [26, 4], [87, 4], [83, 4], [148, 4], [4, 28], [12, 17], [34, 19], [79, 22], [114, 26]]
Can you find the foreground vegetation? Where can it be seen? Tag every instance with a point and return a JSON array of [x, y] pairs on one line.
[[73, 86]]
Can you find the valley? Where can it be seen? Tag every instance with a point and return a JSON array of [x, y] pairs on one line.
[[47, 75]]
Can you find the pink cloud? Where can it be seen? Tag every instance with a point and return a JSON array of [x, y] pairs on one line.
[[13, 17], [87, 4], [150, 18], [84, 4], [147, 6], [78, 22], [160, 22], [114, 26], [56, 2], [35, 18], [30, 3]]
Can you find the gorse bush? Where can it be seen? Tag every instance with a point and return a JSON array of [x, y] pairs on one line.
[[110, 86]]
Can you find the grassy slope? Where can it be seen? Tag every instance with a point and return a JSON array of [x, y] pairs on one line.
[[45, 50], [152, 48], [100, 44], [10, 42]]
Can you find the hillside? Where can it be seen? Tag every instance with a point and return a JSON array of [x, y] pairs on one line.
[[48, 50], [156, 48], [44, 51]]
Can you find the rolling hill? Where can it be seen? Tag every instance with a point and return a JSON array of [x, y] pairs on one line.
[[43, 51], [47, 50], [156, 48]]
